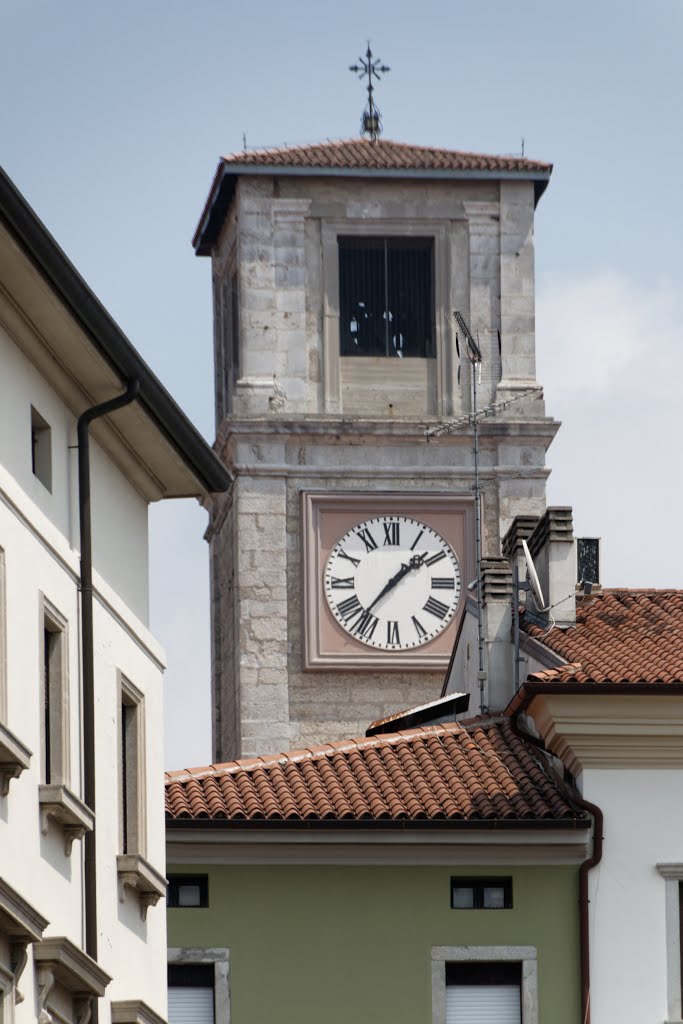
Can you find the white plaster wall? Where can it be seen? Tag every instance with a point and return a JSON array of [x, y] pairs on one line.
[[133, 951], [120, 547], [38, 559], [120, 534], [643, 827], [39, 539]]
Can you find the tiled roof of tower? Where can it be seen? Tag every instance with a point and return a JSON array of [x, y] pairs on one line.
[[479, 774], [358, 158], [381, 155], [621, 636]]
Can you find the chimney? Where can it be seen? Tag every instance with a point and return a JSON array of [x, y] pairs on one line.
[[520, 529], [496, 588], [553, 549]]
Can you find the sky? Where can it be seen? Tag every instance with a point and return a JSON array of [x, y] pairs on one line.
[[112, 121]]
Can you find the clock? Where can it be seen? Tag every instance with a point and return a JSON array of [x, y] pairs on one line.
[[392, 582], [384, 579]]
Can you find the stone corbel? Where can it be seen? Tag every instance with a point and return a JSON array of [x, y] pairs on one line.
[[14, 758], [83, 1009], [59, 803], [45, 979], [18, 955], [138, 875]]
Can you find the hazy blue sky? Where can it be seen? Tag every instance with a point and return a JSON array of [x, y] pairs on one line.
[[112, 120]]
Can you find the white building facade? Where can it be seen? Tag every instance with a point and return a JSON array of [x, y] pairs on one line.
[[81, 798]]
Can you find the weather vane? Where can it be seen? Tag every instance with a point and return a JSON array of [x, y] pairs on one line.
[[371, 124]]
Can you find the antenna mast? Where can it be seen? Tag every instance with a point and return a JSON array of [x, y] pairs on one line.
[[474, 355], [371, 122]]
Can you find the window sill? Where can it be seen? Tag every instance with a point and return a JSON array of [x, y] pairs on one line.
[[137, 874], [134, 1011], [14, 758], [58, 802], [60, 963]]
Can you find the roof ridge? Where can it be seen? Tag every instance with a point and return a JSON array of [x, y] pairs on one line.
[[321, 751], [363, 143]]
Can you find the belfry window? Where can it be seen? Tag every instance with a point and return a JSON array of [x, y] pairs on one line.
[[386, 296]]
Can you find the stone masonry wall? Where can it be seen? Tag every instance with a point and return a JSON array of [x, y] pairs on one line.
[[281, 231]]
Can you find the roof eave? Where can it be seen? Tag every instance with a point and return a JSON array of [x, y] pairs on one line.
[[52, 263], [223, 186], [380, 825], [531, 689]]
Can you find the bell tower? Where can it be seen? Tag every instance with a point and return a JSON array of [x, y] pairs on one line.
[[341, 556]]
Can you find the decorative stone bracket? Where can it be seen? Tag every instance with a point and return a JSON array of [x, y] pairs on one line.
[[18, 955], [21, 924], [137, 874], [14, 758], [59, 803]]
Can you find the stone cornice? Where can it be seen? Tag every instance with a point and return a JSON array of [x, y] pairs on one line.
[[289, 846], [345, 430], [18, 918], [611, 730], [71, 967]]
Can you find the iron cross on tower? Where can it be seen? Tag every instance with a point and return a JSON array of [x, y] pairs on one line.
[[371, 124]]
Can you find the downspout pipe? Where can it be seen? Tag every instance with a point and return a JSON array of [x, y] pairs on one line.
[[586, 866], [584, 920], [87, 653]]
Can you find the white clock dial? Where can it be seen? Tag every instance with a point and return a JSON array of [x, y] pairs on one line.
[[392, 582]]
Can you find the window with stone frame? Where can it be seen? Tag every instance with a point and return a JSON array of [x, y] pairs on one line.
[[386, 296], [132, 824], [479, 984], [199, 986], [54, 690]]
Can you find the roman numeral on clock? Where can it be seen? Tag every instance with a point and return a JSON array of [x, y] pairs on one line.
[[419, 628], [345, 583], [443, 583], [416, 541], [365, 624], [392, 633], [436, 608], [367, 539], [391, 533], [435, 558], [349, 607], [342, 554]]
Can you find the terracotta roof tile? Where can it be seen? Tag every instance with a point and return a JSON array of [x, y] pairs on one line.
[[621, 636], [479, 772], [381, 155]]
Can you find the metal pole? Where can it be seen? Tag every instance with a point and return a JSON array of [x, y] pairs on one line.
[[477, 534], [515, 624]]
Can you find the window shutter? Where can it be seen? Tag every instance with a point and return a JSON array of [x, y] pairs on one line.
[[483, 1004], [190, 1005]]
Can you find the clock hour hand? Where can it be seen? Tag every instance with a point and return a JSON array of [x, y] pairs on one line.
[[414, 563]]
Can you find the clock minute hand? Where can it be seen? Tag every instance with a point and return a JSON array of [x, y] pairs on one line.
[[414, 563]]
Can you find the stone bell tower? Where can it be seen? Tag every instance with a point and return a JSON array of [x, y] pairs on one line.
[[341, 556]]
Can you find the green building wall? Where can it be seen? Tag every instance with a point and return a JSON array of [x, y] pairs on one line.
[[352, 944]]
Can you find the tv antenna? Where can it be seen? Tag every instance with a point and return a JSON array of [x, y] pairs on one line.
[[532, 585], [472, 419], [371, 122], [473, 352]]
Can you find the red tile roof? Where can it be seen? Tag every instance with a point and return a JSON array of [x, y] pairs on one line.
[[476, 774], [621, 636], [383, 154], [358, 158]]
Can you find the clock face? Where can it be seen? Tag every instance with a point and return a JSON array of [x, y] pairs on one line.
[[392, 582]]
